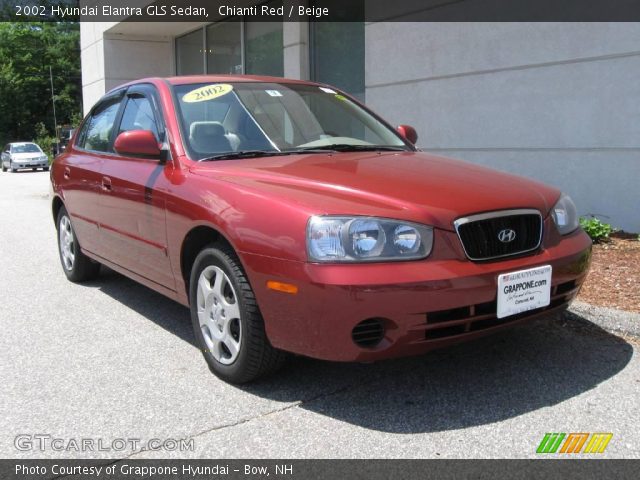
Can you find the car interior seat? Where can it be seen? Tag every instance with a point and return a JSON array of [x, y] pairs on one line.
[[209, 137]]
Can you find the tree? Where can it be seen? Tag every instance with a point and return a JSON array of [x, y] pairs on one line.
[[27, 49]]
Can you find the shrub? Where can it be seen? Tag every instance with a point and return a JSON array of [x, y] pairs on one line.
[[598, 231], [45, 141]]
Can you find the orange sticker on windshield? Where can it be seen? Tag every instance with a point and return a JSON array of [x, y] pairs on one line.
[[208, 92]]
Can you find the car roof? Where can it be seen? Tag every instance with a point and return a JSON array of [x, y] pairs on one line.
[[187, 79], [23, 143], [181, 80]]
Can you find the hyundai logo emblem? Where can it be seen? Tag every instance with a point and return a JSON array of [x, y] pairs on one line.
[[507, 235]]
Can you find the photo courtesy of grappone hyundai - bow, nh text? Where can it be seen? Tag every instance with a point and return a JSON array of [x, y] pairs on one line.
[[291, 219]]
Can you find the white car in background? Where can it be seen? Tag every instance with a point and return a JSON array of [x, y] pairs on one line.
[[23, 155]]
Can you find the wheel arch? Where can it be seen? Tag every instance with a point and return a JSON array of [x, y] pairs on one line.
[[194, 241], [56, 205]]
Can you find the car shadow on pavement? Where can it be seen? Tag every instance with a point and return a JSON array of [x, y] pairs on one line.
[[166, 313], [519, 370]]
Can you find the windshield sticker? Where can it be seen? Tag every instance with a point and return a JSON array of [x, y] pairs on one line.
[[274, 93], [208, 92], [340, 97], [327, 90]]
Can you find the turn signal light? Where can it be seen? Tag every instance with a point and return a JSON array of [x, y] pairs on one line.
[[282, 287]]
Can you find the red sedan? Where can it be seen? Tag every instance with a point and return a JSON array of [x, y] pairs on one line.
[[290, 218]]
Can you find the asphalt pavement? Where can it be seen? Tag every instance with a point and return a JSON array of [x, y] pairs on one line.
[[112, 362]]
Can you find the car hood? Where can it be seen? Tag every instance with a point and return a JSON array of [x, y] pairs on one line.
[[413, 186], [26, 156]]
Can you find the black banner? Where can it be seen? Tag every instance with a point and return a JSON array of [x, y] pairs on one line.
[[318, 469], [322, 10]]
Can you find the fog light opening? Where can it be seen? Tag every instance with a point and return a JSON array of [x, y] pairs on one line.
[[368, 333]]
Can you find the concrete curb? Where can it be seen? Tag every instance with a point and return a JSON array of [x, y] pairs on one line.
[[610, 319]]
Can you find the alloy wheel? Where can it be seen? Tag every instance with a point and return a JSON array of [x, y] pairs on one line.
[[219, 314], [67, 243]]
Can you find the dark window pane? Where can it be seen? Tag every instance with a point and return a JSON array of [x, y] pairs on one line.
[[338, 55], [189, 55], [224, 48], [263, 48]]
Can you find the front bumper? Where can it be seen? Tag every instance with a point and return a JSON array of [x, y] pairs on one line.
[[21, 165], [424, 304]]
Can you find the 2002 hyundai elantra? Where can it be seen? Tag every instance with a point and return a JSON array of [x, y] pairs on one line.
[[290, 218]]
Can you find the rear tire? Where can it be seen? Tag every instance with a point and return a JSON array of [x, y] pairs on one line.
[[227, 323], [75, 264], [45, 169], [4, 169]]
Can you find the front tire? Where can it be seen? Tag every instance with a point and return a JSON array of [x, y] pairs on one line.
[[75, 264], [226, 320], [13, 170]]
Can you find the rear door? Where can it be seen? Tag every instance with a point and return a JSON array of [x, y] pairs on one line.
[[132, 201], [78, 172]]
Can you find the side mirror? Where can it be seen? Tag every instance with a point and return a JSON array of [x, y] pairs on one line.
[[141, 143], [408, 132]]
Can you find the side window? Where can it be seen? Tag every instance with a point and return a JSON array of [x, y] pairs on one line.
[[138, 115], [97, 131]]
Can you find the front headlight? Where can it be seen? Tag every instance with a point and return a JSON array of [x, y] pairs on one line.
[[366, 239], [565, 215]]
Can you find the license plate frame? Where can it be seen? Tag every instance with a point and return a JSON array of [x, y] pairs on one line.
[[523, 290]]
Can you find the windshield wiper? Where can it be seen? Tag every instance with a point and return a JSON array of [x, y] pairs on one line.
[[243, 154], [347, 147], [335, 147]]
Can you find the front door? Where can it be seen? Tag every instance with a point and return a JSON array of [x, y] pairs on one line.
[[133, 196]]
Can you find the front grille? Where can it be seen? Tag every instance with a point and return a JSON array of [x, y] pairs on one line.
[[473, 318], [480, 234]]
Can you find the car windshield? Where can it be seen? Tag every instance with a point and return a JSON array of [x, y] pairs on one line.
[[236, 120], [25, 148]]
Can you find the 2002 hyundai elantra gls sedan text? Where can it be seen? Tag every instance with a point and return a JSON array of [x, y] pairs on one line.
[[290, 218]]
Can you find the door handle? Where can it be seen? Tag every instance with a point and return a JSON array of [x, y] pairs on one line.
[[106, 184], [67, 173]]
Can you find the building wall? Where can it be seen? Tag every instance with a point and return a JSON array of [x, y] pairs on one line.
[[113, 54], [92, 58], [552, 101]]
